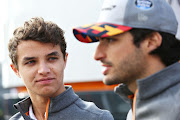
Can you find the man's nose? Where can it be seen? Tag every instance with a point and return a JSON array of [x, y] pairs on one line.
[[100, 52], [43, 69]]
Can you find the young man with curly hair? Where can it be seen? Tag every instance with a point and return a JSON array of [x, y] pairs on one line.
[[38, 54]]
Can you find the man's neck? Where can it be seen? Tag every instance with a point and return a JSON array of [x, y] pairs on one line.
[[153, 66], [39, 105]]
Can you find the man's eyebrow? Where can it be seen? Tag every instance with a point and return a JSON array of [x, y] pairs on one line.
[[55, 53], [28, 58], [50, 54], [104, 38]]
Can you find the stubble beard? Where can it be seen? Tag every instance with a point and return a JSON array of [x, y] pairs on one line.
[[133, 67]]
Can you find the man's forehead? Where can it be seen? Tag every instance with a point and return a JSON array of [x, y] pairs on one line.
[[36, 49], [32, 44]]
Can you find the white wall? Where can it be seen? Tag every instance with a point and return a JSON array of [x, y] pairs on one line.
[[67, 14]]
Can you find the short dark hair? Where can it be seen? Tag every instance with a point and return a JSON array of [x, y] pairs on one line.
[[168, 51], [36, 29]]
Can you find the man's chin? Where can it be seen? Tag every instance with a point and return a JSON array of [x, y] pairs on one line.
[[108, 81], [111, 80]]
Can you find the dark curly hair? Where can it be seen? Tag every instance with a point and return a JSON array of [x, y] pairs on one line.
[[168, 51], [36, 29]]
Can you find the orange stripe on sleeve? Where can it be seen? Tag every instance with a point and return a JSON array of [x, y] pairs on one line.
[[131, 96], [27, 113], [134, 102], [47, 107]]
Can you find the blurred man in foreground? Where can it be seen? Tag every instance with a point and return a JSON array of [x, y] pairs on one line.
[[139, 51]]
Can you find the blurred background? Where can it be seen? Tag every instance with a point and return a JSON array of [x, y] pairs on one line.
[[82, 71]]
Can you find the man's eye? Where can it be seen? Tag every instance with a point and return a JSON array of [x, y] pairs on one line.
[[110, 39], [53, 58], [30, 62]]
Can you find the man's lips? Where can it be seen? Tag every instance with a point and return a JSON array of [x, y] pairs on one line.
[[106, 68], [45, 80]]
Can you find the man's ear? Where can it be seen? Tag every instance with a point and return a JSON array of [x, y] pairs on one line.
[[66, 56], [15, 70], [152, 42]]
